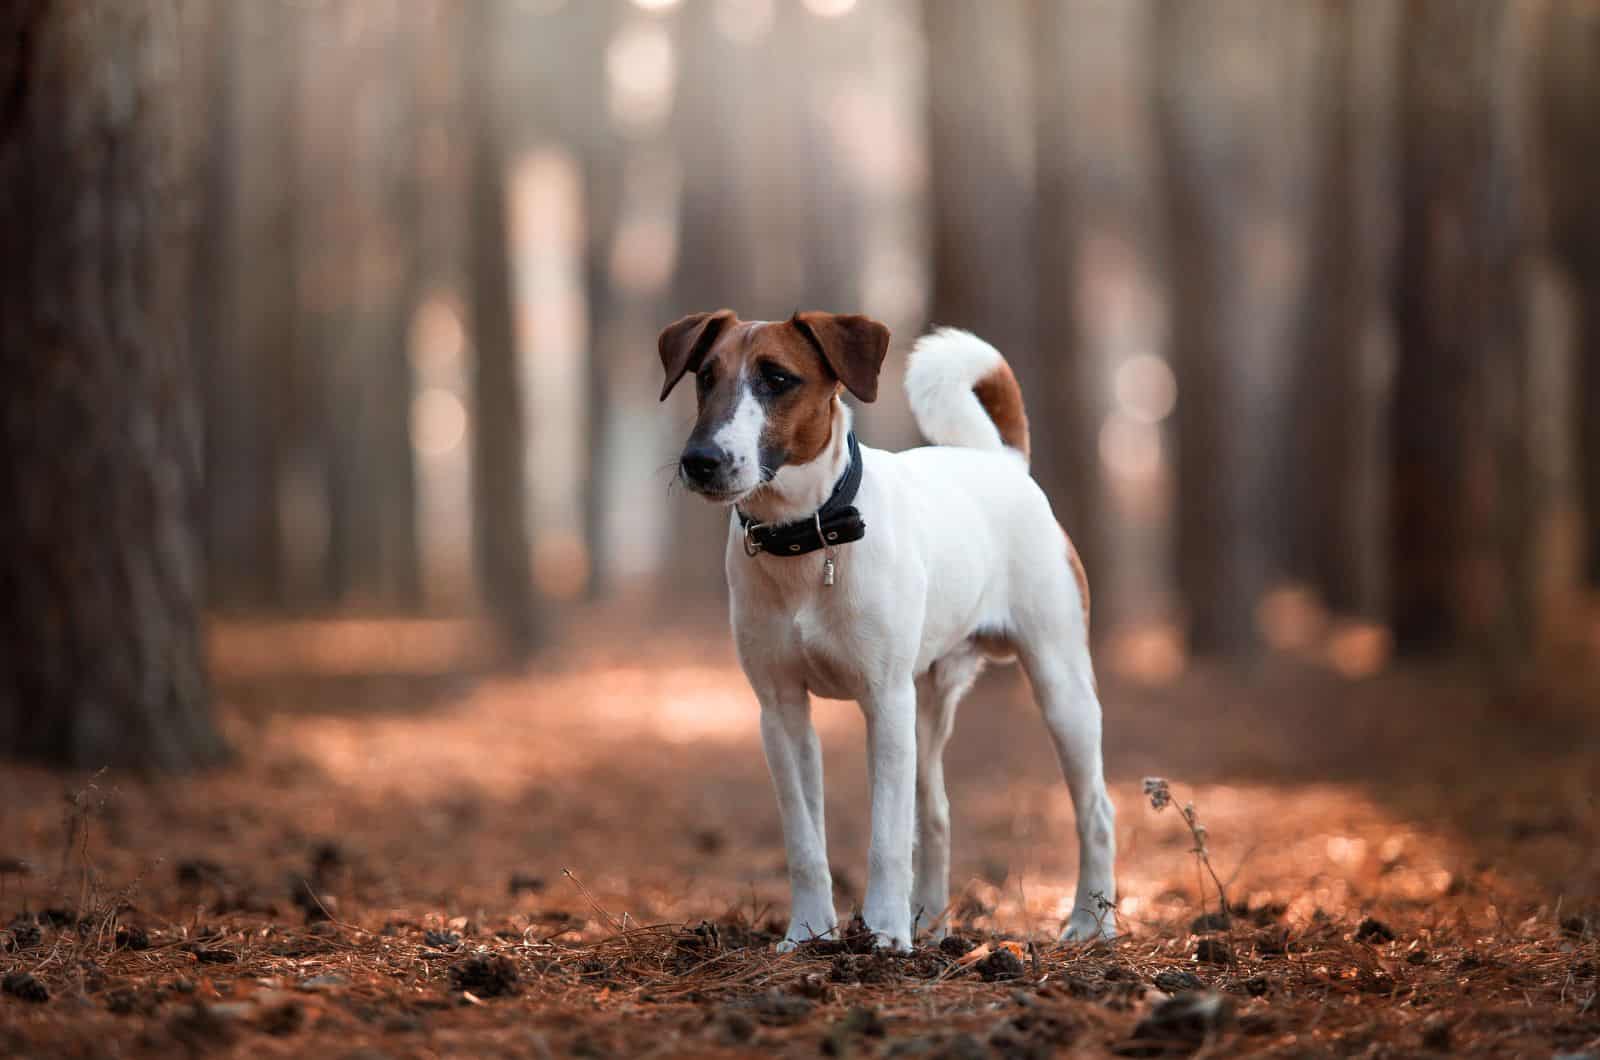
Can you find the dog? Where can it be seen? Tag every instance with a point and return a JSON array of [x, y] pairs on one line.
[[890, 579]]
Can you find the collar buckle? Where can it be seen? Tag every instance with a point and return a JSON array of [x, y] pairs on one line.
[[752, 547], [835, 523]]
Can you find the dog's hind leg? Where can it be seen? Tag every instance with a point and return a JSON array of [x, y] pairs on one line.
[[794, 757], [1058, 665], [939, 692]]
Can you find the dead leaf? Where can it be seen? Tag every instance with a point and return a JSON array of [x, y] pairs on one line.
[[974, 955]]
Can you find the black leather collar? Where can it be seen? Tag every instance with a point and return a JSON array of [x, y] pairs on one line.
[[837, 522]]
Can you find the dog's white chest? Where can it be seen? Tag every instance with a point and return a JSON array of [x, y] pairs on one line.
[[820, 644]]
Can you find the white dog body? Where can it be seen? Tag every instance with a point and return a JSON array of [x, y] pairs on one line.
[[962, 559]]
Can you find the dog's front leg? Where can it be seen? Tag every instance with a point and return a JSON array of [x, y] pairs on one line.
[[891, 714], [794, 757]]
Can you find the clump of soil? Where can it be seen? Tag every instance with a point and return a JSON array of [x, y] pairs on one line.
[[1372, 929], [24, 987], [1001, 965], [23, 933], [1185, 1022], [485, 975]]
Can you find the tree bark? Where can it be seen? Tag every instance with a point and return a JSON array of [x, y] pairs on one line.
[[1236, 150], [601, 155], [100, 547], [1571, 134], [1586, 421], [980, 146], [502, 540], [251, 217], [1338, 533], [714, 263], [374, 491], [1459, 491], [1588, 429], [1069, 407], [981, 171]]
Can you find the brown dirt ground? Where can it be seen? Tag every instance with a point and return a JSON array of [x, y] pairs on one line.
[[408, 862]]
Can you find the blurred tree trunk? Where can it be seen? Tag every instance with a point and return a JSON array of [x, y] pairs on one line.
[[1571, 122], [373, 485], [1339, 395], [980, 112], [1060, 385], [714, 261], [601, 159], [605, 359], [1095, 254], [831, 246], [979, 106], [1586, 417], [558, 74], [1087, 190], [233, 488], [1234, 111], [1460, 497], [254, 243], [502, 539], [311, 422], [366, 115], [100, 546]]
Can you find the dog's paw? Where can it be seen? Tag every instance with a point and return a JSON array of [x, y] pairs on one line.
[[889, 942], [1087, 927], [800, 932]]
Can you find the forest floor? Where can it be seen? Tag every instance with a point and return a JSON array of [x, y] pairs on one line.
[[407, 860]]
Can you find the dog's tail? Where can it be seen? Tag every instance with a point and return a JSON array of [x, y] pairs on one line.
[[963, 393]]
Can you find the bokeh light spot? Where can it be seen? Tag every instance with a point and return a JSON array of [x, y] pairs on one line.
[[1291, 617], [437, 337], [438, 421], [1128, 447], [830, 8], [1359, 649], [1150, 655], [641, 71], [1146, 388]]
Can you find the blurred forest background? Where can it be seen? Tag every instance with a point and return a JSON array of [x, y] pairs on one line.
[[333, 309]]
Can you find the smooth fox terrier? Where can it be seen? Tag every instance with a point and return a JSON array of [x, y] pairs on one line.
[[888, 578]]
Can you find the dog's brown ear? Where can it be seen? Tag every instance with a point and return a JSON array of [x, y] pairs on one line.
[[853, 346], [683, 344]]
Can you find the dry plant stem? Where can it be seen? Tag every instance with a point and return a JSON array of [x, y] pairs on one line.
[[611, 921], [1203, 856], [1160, 795]]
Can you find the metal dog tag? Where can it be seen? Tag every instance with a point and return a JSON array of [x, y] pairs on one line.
[[828, 552]]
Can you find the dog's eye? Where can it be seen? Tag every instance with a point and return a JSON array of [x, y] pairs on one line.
[[705, 377], [776, 378]]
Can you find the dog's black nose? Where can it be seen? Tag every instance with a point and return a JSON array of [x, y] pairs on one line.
[[702, 462]]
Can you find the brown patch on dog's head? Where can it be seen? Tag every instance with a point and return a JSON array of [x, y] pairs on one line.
[[783, 377], [853, 347], [684, 343], [800, 417]]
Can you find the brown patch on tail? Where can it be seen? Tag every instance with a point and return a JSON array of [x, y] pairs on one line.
[[1001, 398]]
